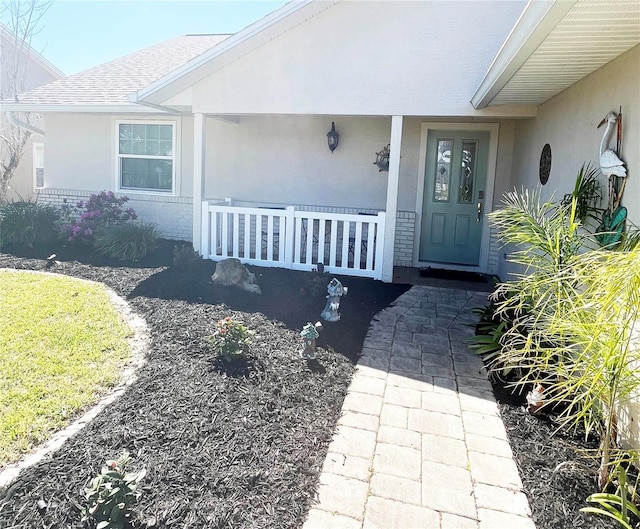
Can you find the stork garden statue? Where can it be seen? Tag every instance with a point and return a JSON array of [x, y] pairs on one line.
[[614, 218]]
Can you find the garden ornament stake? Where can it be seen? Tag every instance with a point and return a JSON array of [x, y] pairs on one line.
[[309, 333], [335, 291]]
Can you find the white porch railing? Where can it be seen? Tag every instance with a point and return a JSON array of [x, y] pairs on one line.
[[348, 244]]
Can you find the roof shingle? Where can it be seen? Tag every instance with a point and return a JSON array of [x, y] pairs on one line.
[[112, 82]]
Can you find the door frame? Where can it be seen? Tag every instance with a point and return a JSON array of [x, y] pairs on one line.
[[493, 129]]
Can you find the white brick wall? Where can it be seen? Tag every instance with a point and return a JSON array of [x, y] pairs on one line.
[[493, 265], [172, 215], [405, 232]]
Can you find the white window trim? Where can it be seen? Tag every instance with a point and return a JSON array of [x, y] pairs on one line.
[[176, 141], [34, 158]]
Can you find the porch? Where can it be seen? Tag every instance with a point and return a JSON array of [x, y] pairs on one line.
[[300, 206], [294, 237]]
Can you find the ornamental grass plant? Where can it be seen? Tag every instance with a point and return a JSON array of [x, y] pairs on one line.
[[579, 308]]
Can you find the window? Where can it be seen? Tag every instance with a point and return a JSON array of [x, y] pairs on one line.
[[146, 156], [38, 165]]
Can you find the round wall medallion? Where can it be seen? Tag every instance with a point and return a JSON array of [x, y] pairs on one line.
[[545, 164]]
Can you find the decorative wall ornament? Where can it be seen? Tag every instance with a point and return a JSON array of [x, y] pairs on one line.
[[545, 164], [333, 138], [614, 217], [382, 159]]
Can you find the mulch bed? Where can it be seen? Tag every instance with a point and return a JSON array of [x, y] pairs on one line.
[[244, 448], [222, 448], [556, 466]]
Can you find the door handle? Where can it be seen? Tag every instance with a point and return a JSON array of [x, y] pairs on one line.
[[479, 206]]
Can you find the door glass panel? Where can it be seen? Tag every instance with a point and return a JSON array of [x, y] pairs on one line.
[[467, 172], [442, 177]]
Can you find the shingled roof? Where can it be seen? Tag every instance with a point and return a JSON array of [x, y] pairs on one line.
[[111, 83]]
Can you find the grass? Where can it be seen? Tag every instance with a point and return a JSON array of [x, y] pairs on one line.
[[62, 344]]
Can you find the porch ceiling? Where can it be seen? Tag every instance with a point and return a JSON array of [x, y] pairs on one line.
[[561, 43]]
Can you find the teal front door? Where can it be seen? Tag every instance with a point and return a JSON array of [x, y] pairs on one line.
[[454, 194]]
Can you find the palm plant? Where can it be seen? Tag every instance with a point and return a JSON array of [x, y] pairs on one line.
[[587, 192], [545, 236], [580, 309]]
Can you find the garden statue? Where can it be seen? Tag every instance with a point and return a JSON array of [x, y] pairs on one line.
[[310, 333], [535, 399], [335, 291], [231, 272]]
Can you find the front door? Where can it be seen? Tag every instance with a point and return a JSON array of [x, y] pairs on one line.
[[454, 195]]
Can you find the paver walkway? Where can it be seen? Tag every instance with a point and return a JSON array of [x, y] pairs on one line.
[[420, 443]]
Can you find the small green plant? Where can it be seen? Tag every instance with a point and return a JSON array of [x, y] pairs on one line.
[[230, 339], [488, 343], [112, 494], [28, 222], [619, 505], [128, 241], [587, 193], [185, 258], [314, 283]]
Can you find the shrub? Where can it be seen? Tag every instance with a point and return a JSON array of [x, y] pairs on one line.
[[230, 339], [581, 333], [185, 258], [101, 210], [127, 242], [28, 222], [111, 495]]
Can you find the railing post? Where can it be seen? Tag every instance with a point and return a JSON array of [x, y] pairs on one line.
[[289, 236], [380, 240], [205, 234]]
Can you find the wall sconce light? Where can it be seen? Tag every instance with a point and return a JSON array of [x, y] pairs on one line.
[[333, 137], [382, 159]]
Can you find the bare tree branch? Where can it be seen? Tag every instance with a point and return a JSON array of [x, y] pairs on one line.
[[22, 18]]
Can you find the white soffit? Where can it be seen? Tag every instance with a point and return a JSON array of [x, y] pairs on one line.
[[591, 34]]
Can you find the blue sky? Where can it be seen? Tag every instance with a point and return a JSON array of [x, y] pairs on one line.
[[76, 35]]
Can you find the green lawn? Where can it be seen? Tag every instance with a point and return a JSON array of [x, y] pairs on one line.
[[62, 344]]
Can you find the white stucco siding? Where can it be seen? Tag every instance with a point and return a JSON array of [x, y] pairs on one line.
[[369, 58], [185, 163], [569, 121], [286, 160], [79, 152]]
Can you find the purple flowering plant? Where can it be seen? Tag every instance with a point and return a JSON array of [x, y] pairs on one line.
[[101, 210]]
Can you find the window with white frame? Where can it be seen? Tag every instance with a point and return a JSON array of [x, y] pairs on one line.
[[38, 165], [146, 156]]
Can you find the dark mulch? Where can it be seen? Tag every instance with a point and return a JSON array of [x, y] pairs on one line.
[[239, 449], [556, 495]]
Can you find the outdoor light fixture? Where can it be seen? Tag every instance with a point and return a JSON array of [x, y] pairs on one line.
[[382, 159], [333, 137]]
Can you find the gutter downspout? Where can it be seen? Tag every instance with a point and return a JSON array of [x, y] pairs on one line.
[[11, 117]]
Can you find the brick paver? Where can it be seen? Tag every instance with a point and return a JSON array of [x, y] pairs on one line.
[[420, 443]]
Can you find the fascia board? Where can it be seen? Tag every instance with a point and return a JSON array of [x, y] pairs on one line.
[[537, 20], [69, 109], [224, 47]]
